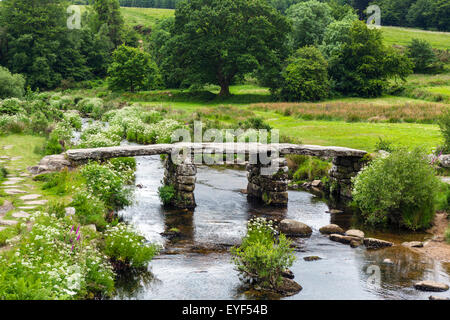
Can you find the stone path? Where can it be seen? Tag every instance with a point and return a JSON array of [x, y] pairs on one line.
[[15, 187]]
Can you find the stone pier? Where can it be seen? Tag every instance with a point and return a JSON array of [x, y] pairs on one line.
[[182, 177], [269, 188], [341, 174]]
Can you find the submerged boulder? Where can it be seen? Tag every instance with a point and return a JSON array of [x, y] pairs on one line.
[[289, 287], [413, 244], [295, 228]]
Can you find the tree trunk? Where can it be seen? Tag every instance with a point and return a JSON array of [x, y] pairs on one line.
[[224, 90]]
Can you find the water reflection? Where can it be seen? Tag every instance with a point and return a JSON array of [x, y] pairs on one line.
[[196, 264]]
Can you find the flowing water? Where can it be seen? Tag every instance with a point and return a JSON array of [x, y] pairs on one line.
[[197, 264]]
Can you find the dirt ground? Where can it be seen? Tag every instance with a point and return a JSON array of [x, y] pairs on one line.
[[437, 248]]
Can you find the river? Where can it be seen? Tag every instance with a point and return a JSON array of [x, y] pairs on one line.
[[197, 264]]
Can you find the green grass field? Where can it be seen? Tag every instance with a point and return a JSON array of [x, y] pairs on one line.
[[403, 36], [147, 17]]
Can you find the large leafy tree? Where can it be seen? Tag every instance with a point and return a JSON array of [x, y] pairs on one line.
[[107, 15], [132, 69], [309, 20], [360, 64], [218, 40], [37, 43]]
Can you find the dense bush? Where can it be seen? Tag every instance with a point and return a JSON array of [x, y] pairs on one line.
[[361, 65], [306, 76], [444, 124], [124, 245], [166, 194], [11, 85], [261, 256], [45, 265], [106, 184], [424, 58], [399, 190], [89, 209], [132, 69]]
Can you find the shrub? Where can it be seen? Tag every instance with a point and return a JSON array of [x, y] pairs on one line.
[[91, 106], [166, 194], [89, 209], [306, 76], [11, 85], [11, 106], [444, 124], [399, 190], [261, 257], [106, 184], [424, 58], [125, 246], [385, 145], [44, 266]]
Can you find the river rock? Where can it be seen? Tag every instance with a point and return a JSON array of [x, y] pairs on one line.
[[355, 243], [372, 243], [316, 184], [295, 228], [331, 229], [413, 244], [342, 239], [312, 258], [388, 261], [429, 285], [288, 274], [289, 287], [355, 233], [438, 298]]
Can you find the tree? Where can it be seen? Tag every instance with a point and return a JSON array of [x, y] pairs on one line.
[[132, 69], [11, 85], [218, 40], [306, 76], [309, 21], [422, 55], [361, 65], [107, 12], [38, 43]]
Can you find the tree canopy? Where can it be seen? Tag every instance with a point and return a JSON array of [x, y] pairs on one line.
[[217, 40]]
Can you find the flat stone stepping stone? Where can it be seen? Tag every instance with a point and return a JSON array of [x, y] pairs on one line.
[[2, 228], [20, 214], [9, 182], [4, 157], [27, 208], [6, 207], [37, 202], [14, 191], [30, 197], [8, 147], [8, 222], [16, 158]]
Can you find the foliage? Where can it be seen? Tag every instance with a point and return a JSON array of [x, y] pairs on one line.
[[399, 190], [44, 267], [166, 194], [123, 244], [261, 256], [106, 184], [89, 209], [132, 69], [444, 124], [107, 16], [424, 58], [362, 65], [11, 85], [306, 76], [309, 20], [385, 145], [310, 168], [218, 40]]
